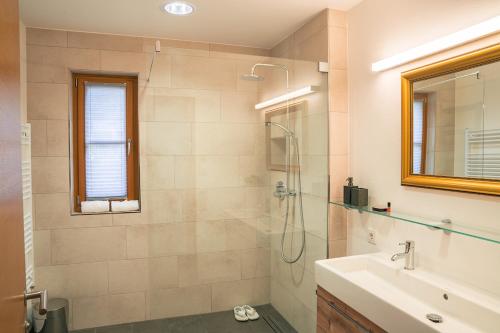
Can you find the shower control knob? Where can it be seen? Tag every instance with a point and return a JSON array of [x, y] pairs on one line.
[[281, 190]]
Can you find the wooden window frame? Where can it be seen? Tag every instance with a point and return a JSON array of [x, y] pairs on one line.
[[424, 99], [78, 118]]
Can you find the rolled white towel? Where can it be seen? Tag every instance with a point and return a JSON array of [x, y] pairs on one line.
[[95, 206], [124, 206]]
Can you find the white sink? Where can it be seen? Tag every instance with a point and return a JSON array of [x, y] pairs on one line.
[[398, 300]]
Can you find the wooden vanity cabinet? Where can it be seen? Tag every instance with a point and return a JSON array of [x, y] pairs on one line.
[[334, 316]]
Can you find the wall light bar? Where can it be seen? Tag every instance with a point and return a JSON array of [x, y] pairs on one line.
[[283, 98], [457, 38]]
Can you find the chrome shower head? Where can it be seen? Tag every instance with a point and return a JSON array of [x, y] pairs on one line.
[[252, 77]]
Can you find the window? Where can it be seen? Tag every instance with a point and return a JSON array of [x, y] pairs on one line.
[[419, 133], [105, 144]]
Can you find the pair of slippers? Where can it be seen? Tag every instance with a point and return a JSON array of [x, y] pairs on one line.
[[245, 313]]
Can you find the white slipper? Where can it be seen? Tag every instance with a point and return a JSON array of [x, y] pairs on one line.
[[250, 312], [240, 314]]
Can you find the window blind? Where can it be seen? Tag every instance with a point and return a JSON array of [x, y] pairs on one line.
[[418, 133], [105, 140]]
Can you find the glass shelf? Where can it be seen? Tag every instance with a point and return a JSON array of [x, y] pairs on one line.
[[446, 227]]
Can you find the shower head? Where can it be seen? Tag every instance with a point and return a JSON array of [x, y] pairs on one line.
[[252, 77], [283, 128]]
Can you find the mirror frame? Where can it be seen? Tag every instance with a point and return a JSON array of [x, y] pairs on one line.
[[462, 62]]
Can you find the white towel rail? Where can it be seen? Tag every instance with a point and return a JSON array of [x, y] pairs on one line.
[[482, 153], [27, 204]]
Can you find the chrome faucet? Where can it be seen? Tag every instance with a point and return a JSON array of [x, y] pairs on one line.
[[408, 254]]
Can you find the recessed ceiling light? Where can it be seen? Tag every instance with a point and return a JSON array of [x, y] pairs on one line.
[[178, 8]]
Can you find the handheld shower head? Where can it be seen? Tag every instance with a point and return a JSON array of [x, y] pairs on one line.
[[283, 128]]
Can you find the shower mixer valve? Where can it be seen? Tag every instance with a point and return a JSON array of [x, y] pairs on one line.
[[281, 191]]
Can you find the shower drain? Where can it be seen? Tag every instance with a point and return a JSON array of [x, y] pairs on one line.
[[435, 318]]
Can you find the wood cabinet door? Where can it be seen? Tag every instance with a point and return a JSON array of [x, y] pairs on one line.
[[334, 316], [12, 275]]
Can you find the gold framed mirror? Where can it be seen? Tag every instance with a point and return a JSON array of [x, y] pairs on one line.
[[451, 124]]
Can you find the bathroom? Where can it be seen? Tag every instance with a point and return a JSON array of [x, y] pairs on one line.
[[172, 166]]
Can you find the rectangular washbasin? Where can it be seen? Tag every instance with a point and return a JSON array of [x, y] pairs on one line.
[[398, 300]]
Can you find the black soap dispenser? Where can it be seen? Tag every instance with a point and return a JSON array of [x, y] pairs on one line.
[[348, 190]]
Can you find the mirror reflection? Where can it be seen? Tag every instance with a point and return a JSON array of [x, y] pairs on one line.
[[456, 124]]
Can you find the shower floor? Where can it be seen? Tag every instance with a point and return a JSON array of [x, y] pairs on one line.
[[270, 321]]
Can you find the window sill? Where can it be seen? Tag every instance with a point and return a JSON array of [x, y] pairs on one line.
[[105, 213]]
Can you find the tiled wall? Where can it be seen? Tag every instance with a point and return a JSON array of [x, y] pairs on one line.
[[339, 130], [199, 244]]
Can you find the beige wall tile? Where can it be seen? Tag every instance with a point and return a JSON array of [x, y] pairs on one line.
[[204, 268], [90, 312], [38, 137], [337, 223], [339, 133], [131, 218], [51, 210], [146, 104], [127, 308], [50, 174], [104, 42], [203, 73], [45, 37], [225, 139], [174, 108], [126, 63], [190, 300], [239, 107], [338, 176], [163, 273], [127, 276], [167, 138], [57, 138], [337, 248], [47, 73], [338, 90], [68, 58], [337, 47], [189, 105], [161, 206], [47, 101], [172, 239], [211, 236], [137, 241], [41, 244], [314, 48], [255, 263], [157, 172], [108, 310], [241, 234], [88, 244], [68, 281], [161, 71], [217, 171], [185, 172], [253, 292]]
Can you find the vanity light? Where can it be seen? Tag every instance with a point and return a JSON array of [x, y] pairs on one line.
[[457, 38], [179, 8], [291, 95]]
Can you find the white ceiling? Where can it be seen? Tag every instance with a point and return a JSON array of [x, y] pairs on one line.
[[258, 23]]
